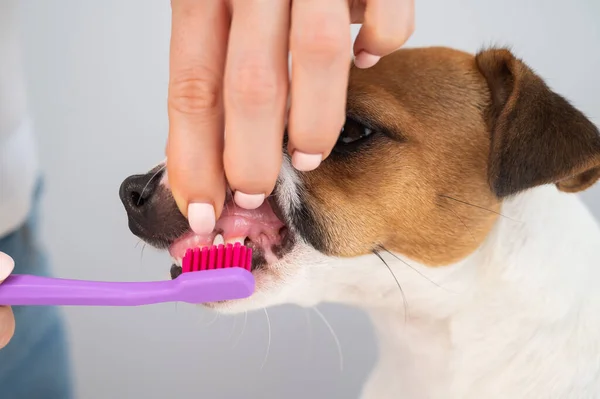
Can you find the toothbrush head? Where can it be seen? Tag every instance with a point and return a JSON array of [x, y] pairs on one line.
[[217, 257], [224, 273]]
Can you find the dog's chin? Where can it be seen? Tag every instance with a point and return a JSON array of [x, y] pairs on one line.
[[261, 229]]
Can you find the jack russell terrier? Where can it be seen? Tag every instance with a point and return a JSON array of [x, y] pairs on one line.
[[445, 212]]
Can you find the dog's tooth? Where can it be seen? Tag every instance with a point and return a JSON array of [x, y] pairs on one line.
[[218, 240], [234, 240]]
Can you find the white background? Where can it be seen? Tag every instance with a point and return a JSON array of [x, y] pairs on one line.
[[97, 79]]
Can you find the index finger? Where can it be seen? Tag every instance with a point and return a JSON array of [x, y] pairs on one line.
[[320, 45], [195, 146]]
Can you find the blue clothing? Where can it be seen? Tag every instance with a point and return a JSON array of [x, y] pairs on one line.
[[35, 364]]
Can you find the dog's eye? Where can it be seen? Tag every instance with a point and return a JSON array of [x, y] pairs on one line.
[[352, 132]]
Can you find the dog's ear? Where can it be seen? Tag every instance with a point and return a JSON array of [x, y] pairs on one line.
[[537, 137]]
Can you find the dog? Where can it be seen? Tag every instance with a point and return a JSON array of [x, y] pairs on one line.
[[446, 211]]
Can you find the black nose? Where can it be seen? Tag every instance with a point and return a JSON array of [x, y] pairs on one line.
[[136, 193], [152, 212], [139, 195]]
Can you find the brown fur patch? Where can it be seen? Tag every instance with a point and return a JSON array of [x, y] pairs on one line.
[[457, 133], [423, 188]]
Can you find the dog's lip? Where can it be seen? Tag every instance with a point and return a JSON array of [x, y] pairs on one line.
[[267, 249], [261, 226], [265, 252]]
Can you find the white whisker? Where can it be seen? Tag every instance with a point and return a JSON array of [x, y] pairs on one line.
[[213, 320], [201, 319], [142, 255], [411, 267], [150, 181], [232, 327], [397, 283], [334, 335], [237, 341], [309, 333], [269, 339]]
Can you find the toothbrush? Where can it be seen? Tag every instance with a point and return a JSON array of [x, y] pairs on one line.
[[210, 274]]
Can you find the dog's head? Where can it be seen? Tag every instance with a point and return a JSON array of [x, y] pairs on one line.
[[434, 140]]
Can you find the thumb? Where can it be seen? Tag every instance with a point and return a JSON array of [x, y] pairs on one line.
[[7, 320], [7, 264]]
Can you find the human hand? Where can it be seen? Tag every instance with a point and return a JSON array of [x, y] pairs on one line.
[[7, 320], [229, 73]]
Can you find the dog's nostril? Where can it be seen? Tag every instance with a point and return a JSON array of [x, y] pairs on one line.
[[136, 199], [136, 191]]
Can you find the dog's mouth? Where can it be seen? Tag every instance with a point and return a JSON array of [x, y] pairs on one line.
[[260, 229]]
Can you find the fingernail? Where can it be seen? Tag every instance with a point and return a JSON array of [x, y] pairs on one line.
[[365, 60], [7, 264], [306, 162], [201, 218], [248, 201]]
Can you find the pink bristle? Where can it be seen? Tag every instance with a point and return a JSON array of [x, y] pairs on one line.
[[212, 257], [204, 260], [217, 257], [186, 265], [220, 256], [236, 254], [248, 264], [196, 262], [242, 257], [228, 256]]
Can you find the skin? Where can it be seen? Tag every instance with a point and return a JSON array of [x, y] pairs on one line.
[[452, 134], [228, 73], [7, 320]]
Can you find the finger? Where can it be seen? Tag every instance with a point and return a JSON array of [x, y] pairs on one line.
[[195, 145], [320, 45], [7, 320], [255, 93], [7, 265], [7, 325], [387, 26]]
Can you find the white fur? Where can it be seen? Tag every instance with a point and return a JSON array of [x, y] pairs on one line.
[[522, 319], [288, 186], [519, 318]]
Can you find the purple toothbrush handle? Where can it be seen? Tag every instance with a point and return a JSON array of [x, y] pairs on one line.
[[194, 287]]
